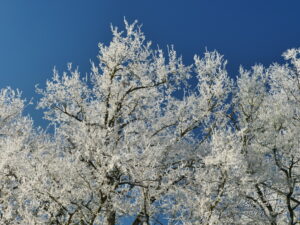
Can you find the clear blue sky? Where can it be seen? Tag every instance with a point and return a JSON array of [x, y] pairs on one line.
[[36, 35]]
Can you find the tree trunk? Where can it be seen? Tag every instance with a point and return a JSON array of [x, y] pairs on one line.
[[111, 218]]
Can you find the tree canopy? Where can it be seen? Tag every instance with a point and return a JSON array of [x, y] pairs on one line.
[[148, 138]]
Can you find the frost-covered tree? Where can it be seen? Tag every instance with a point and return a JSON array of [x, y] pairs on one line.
[[145, 139], [18, 140], [14, 132], [129, 136]]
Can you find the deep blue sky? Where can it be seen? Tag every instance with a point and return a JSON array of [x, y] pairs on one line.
[[37, 35]]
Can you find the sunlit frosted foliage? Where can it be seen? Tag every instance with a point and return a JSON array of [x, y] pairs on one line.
[[148, 140]]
